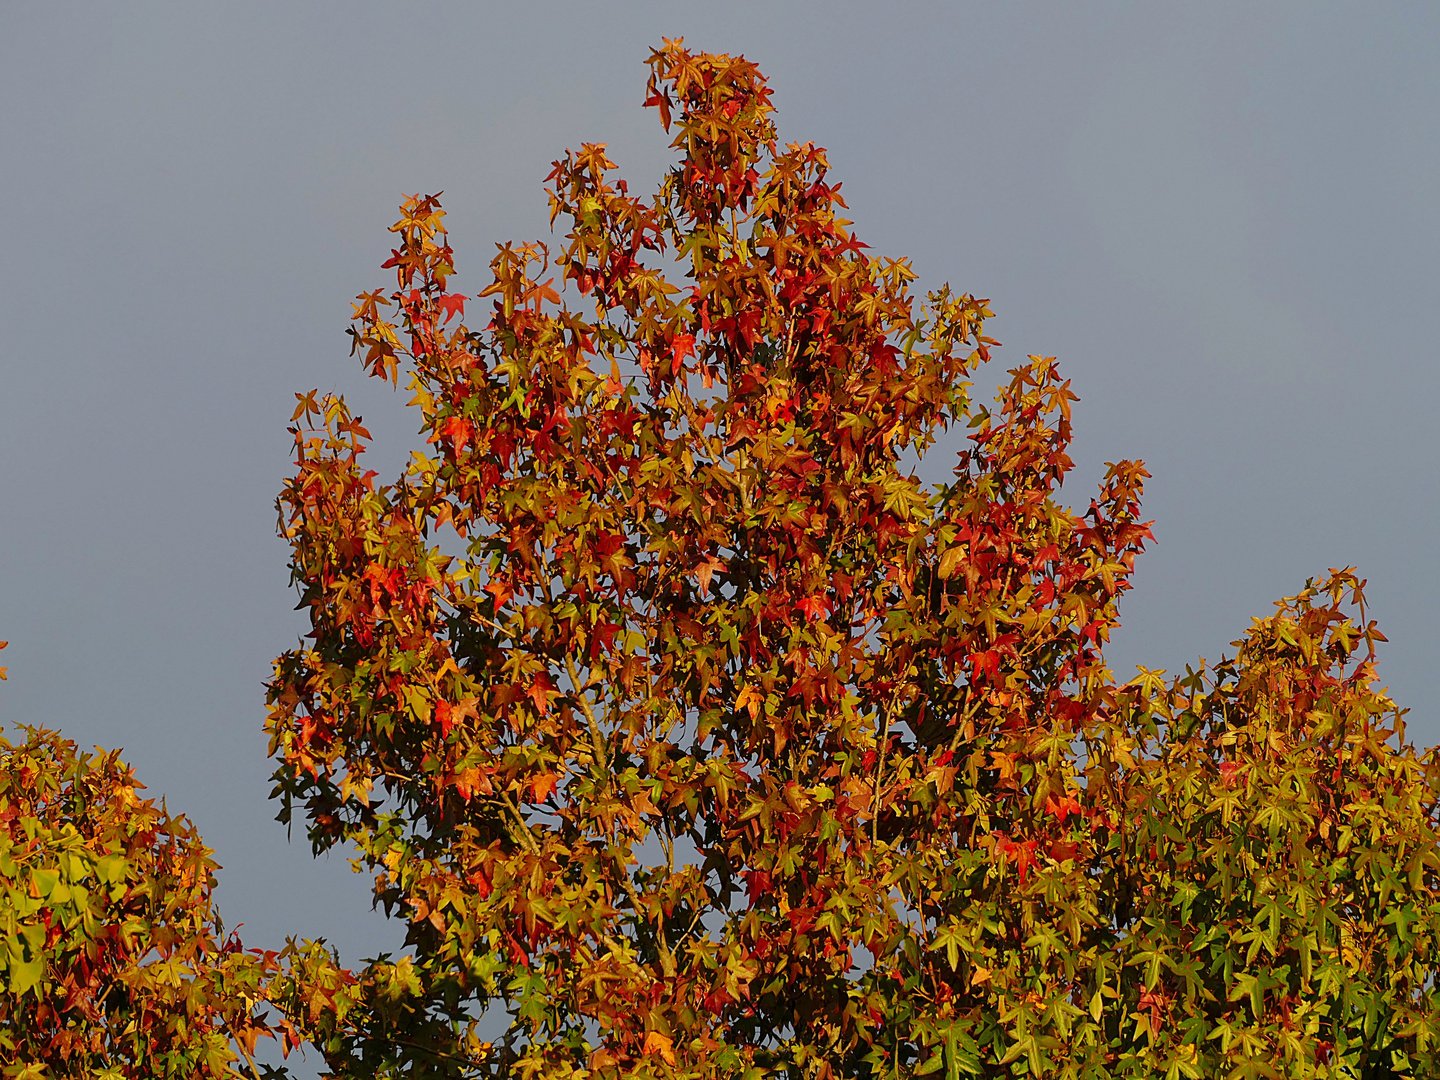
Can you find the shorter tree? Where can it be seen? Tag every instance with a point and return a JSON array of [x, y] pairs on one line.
[[113, 960], [1270, 860]]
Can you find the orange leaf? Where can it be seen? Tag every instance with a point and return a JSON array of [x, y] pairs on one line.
[[752, 699], [541, 786], [705, 571], [457, 431], [1062, 808], [655, 1043], [448, 715]]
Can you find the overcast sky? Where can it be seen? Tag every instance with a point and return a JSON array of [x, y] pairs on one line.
[[1225, 220]]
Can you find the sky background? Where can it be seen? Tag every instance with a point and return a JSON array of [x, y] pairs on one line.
[[1224, 219]]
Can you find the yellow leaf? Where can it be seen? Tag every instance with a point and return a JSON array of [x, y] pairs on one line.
[[750, 698], [950, 559]]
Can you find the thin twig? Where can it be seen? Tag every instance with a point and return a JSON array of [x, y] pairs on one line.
[[880, 772], [254, 1072], [667, 958], [622, 869], [596, 737], [524, 828]]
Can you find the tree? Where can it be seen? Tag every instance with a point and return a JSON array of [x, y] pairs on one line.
[[114, 961], [1271, 862]]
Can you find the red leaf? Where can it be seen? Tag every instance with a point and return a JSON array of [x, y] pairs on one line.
[[457, 431], [452, 305], [682, 345], [757, 884], [501, 591], [539, 691], [812, 607]]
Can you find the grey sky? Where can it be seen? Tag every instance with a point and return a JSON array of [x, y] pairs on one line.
[[1224, 219]]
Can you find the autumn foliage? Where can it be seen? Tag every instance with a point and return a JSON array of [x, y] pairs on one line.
[[114, 961], [692, 733]]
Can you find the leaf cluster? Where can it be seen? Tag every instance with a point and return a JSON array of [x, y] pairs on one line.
[[113, 962]]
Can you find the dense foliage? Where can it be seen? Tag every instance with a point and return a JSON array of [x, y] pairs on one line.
[[114, 962], [1271, 864], [693, 733]]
